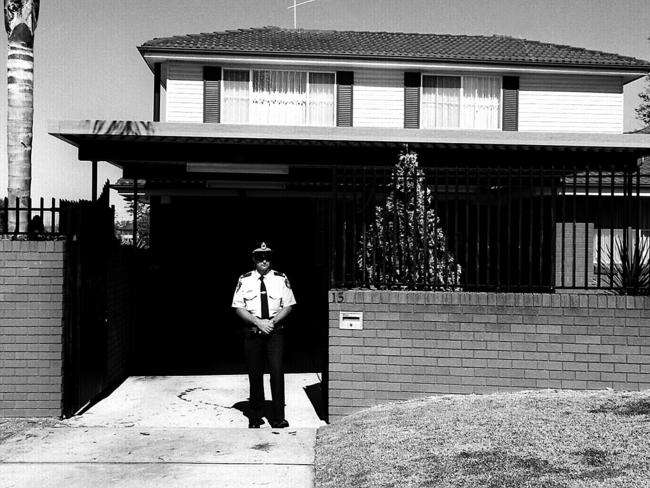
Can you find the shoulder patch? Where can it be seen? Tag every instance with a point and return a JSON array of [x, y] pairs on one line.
[[246, 275], [277, 273]]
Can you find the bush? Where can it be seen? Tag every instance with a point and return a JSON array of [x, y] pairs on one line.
[[406, 246], [631, 273]]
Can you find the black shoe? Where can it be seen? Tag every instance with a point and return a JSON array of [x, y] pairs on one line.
[[279, 424], [255, 423]]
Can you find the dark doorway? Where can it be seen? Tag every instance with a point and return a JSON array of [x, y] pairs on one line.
[[199, 247]]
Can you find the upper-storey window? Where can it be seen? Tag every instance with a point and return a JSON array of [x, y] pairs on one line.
[[461, 102], [236, 96], [278, 97]]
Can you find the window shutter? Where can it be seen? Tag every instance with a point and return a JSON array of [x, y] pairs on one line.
[[510, 103], [345, 81], [211, 94], [411, 100]]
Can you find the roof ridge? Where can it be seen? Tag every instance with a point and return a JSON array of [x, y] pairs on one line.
[[276, 28], [403, 33]]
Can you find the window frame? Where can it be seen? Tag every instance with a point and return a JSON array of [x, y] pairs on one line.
[[462, 99], [308, 92]]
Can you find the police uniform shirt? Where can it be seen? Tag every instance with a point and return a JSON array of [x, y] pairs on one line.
[[278, 290]]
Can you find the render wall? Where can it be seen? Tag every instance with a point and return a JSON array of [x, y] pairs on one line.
[[416, 344], [31, 328]]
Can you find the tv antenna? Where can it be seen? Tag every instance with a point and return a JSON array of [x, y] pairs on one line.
[[295, 8]]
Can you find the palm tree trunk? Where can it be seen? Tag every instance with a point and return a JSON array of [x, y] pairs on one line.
[[20, 110], [20, 21]]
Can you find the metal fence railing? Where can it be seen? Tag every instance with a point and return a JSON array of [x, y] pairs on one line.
[[512, 228], [31, 219], [472, 227]]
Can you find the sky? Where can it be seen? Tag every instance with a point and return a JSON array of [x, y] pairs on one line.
[[87, 65]]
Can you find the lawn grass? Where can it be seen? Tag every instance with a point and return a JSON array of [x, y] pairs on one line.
[[550, 439]]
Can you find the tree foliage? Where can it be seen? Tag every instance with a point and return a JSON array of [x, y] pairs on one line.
[[643, 110], [406, 245], [143, 221], [18, 12]]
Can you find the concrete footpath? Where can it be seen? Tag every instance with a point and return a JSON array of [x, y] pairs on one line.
[[175, 431]]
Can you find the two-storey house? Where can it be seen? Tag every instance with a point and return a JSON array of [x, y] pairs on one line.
[[292, 136]]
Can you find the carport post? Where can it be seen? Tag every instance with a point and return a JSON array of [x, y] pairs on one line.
[[134, 264], [93, 192]]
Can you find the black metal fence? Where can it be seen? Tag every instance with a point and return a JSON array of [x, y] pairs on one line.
[[35, 219], [472, 227], [480, 228]]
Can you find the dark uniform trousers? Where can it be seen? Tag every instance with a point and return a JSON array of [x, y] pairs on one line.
[[258, 349]]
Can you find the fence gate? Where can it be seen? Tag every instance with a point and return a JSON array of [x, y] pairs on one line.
[[89, 229]]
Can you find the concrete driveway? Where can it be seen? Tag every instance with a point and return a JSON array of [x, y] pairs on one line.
[[174, 431]]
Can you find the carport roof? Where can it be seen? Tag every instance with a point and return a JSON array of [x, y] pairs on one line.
[[148, 141]]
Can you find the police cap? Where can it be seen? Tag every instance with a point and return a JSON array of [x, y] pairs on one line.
[[262, 247]]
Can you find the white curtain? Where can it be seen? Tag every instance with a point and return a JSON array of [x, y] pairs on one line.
[[236, 87], [481, 100], [440, 102], [279, 97], [321, 99]]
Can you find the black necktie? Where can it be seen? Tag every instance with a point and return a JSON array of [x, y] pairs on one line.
[[264, 299]]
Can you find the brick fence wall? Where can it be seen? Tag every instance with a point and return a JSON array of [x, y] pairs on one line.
[[31, 332], [31, 326], [416, 344]]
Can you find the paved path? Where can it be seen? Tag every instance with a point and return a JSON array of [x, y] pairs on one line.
[[169, 432]]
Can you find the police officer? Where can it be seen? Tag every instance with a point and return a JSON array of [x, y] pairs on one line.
[[263, 299]]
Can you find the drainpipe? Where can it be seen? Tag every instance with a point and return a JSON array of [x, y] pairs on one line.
[[156, 91]]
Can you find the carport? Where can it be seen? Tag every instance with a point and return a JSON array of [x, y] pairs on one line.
[[212, 193], [214, 189]]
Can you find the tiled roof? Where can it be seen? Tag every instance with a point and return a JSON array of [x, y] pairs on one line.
[[429, 47]]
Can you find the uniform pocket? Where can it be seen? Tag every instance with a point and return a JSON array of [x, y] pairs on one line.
[[249, 296], [274, 300]]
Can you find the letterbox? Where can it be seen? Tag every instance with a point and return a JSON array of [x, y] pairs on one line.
[[351, 320]]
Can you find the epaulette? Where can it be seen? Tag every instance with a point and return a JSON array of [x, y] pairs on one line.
[[246, 275], [277, 273]]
